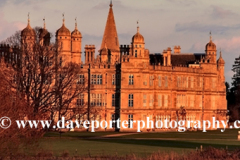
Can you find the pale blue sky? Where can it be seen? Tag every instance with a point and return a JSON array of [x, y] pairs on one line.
[[163, 23]]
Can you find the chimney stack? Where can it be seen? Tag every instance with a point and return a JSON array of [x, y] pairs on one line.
[[177, 49]]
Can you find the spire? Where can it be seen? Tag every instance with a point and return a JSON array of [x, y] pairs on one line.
[[44, 24], [220, 53], [110, 36]]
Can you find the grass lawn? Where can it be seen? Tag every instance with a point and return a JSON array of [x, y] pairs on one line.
[[107, 147], [229, 134], [79, 134], [142, 144]]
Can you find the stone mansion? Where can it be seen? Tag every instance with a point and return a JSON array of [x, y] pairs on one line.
[[129, 83]]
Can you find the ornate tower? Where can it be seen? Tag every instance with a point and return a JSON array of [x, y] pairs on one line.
[[63, 40], [28, 35], [76, 39], [211, 52], [110, 40], [44, 36], [220, 66]]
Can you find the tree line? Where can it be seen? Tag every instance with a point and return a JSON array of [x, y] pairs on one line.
[[233, 92]]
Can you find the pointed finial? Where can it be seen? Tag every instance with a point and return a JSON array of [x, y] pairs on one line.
[[63, 19], [44, 24], [210, 36], [111, 3], [28, 18], [137, 26], [76, 23], [220, 53]]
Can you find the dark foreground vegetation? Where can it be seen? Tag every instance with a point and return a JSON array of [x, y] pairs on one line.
[[206, 154]]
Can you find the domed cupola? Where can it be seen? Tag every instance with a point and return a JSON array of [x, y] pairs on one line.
[[138, 45], [63, 31], [220, 59], [44, 35], [210, 45], [76, 33], [43, 31], [28, 31], [138, 38], [211, 51]]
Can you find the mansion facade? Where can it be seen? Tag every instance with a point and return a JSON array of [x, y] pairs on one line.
[[129, 83]]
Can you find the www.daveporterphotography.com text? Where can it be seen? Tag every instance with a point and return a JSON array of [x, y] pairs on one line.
[[139, 125]]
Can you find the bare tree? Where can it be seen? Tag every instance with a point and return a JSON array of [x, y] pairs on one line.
[[14, 106], [49, 88], [15, 39]]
